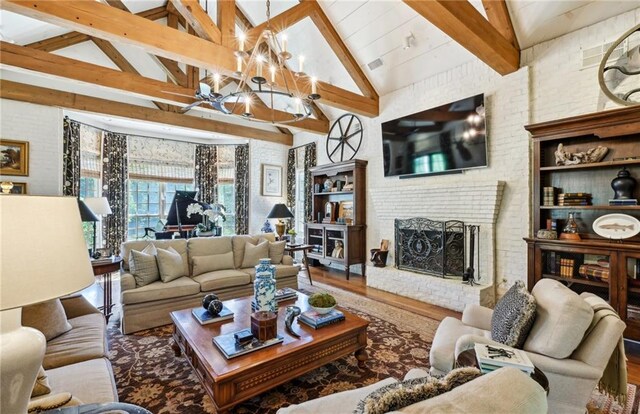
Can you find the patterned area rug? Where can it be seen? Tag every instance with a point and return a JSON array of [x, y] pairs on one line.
[[148, 374]]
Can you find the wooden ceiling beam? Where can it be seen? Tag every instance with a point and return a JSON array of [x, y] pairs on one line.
[[171, 67], [51, 97], [280, 22], [464, 24], [111, 24], [498, 16], [341, 50], [118, 4], [198, 19], [227, 21]]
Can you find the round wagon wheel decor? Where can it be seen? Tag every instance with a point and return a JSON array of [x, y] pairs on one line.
[[345, 138], [619, 80]]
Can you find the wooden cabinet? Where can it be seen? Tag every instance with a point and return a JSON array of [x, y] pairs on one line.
[[619, 131], [338, 232]]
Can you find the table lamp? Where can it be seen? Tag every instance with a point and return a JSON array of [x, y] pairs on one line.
[[87, 215], [37, 263], [100, 207], [280, 211]]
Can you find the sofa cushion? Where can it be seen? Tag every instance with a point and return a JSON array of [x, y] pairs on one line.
[[442, 355], [204, 264], [253, 253], [144, 266], [41, 387], [85, 341], [90, 381], [513, 316], [238, 242], [47, 317], [276, 251], [281, 271], [205, 246], [183, 286], [170, 264], [561, 321], [180, 245], [222, 279]]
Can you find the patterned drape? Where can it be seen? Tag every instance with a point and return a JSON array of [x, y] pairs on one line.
[[309, 161], [114, 187], [242, 189], [71, 158], [291, 181], [206, 174]]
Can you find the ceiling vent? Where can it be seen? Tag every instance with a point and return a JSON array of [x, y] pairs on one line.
[[593, 56], [375, 64]]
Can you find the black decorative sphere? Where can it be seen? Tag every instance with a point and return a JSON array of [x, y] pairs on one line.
[[623, 185], [208, 299], [215, 306]]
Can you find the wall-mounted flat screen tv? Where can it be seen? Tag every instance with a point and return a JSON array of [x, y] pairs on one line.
[[449, 138]]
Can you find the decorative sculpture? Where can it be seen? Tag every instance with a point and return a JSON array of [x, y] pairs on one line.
[[564, 157], [292, 312]]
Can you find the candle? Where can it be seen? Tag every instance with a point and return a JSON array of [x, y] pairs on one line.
[[241, 39], [239, 65], [259, 66], [272, 69], [298, 102], [216, 83], [314, 88], [301, 64], [284, 43], [247, 104]]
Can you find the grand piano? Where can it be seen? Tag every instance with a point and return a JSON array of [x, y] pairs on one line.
[[177, 219]]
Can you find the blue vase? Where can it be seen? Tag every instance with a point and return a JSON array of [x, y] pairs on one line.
[[264, 287]]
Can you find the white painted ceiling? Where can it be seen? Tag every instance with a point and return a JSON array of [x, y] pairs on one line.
[[371, 29]]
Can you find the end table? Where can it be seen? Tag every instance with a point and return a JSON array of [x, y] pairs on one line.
[[304, 248], [105, 269]]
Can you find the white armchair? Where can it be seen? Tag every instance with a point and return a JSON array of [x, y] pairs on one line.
[[572, 378]]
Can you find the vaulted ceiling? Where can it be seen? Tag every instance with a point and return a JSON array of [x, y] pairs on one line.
[[98, 44]]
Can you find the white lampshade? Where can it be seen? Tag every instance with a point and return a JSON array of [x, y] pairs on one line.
[[99, 205], [43, 254]]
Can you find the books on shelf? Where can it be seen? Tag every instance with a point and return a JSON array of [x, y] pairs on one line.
[[549, 196], [574, 199], [623, 202], [567, 266], [230, 348], [204, 317], [590, 271], [492, 357], [316, 320]]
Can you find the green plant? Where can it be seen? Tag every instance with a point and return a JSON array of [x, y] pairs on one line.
[[292, 232], [322, 300]]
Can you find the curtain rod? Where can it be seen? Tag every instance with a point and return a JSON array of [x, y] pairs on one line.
[[144, 136], [302, 146]]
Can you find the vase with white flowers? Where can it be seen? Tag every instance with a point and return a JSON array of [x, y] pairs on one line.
[[210, 217]]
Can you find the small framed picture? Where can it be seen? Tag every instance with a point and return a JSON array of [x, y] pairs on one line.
[[18, 188], [103, 252], [14, 157], [271, 180], [346, 210]]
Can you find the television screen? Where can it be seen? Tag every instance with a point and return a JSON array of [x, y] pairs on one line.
[[448, 138]]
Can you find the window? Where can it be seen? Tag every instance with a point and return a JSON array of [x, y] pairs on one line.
[[89, 187], [300, 203], [149, 204], [226, 187]]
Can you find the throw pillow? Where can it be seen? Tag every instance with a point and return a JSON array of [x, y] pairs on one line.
[[253, 254], [513, 316], [170, 264], [276, 251], [47, 317], [402, 394], [41, 387], [143, 265], [204, 264]]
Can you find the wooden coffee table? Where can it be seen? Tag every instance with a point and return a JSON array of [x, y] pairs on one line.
[[231, 381]]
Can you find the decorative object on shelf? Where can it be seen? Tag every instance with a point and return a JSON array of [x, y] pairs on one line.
[[327, 185], [271, 180], [291, 313], [344, 138], [379, 256], [330, 208], [338, 250], [347, 185], [345, 210], [280, 211], [285, 102], [266, 227], [14, 157], [339, 185], [570, 230], [39, 263], [265, 287], [212, 304], [6, 187], [210, 215], [623, 185], [547, 234], [316, 188], [322, 303], [564, 157], [100, 207], [619, 81], [292, 236], [616, 226], [264, 325]]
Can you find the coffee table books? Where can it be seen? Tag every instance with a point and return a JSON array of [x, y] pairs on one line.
[[204, 317], [492, 357], [316, 320], [230, 348]]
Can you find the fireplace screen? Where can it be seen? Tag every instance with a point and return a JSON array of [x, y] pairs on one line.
[[431, 247]]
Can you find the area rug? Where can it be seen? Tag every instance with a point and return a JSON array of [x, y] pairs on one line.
[[148, 374]]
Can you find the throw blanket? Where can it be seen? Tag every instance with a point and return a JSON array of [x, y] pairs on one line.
[[614, 377]]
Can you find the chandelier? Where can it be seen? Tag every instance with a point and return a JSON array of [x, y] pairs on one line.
[[265, 81]]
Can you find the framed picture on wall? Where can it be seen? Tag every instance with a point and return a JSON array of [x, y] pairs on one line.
[[14, 157], [18, 188], [271, 180]]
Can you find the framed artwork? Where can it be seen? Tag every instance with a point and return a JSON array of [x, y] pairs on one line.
[[18, 188], [346, 210], [14, 157], [271, 180]]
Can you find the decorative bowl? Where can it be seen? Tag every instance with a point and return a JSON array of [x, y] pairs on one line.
[[323, 311]]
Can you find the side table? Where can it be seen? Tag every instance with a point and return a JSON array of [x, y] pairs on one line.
[[105, 269], [468, 359], [304, 248]]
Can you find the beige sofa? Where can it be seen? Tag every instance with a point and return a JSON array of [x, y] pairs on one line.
[[76, 361], [504, 391], [149, 306]]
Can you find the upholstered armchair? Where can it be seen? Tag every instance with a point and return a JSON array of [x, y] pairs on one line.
[[565, 342]]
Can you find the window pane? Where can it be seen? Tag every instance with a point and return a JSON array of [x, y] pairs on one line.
[[154, 197], [154, 208]]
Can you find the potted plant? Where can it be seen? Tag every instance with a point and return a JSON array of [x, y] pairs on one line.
[[210, 217], [292, 236]]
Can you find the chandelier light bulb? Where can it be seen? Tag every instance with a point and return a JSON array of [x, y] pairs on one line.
[[247, 105], [284, 42], [466, 135], [259, 61], [216, 83], [477, 119], [301, 64], [473, 132], [314, 86], [239, 64], [272, 69], [298, 105], [241, 38], [470, 119]]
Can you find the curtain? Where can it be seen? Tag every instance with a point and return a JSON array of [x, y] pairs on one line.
[[291, 182], [206, 173], [115, 175], [309, 161], [71, 158], [160, 160], [242, 189]]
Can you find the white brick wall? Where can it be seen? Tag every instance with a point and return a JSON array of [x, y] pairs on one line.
[[41, 126]]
